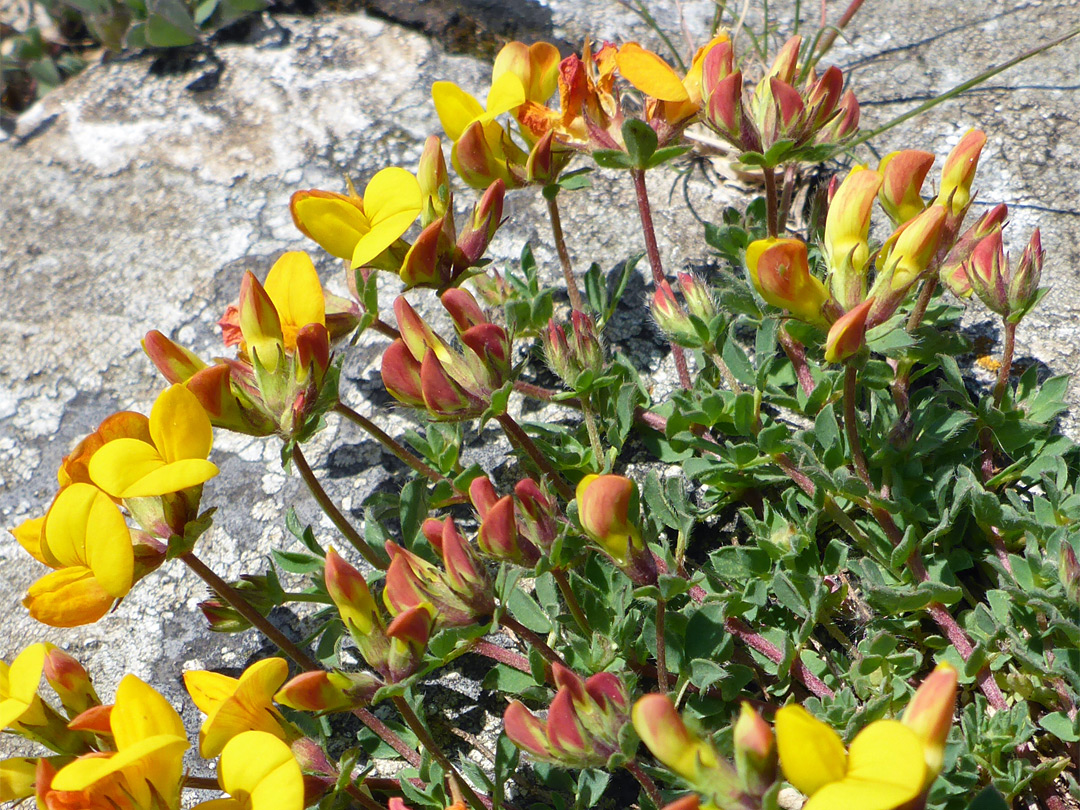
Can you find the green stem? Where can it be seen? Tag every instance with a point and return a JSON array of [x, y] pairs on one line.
[[529, 637], [661, 647], [594, 434], [314, 598], [338, 519], [390, 443], [422, 734], [653, 251], [572, 604], [238, 603], [851, 426], [1006, 363], [929, 287], [520, 439], [564, 254]]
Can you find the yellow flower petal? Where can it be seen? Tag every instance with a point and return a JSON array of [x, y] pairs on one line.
[[456, 108], [650, 74], [294, 287], [86, 529], [208, 690], [179, 475], [811, 753], [179, 426], [70, 597], [23, 678], [335, 221], [392, 201], [261, 766], [17, 777], [506, 93], [140, 713], [121, 463], [85, 771], [248, 708], [28, 534]]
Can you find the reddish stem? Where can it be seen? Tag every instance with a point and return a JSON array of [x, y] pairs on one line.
[[653, 251], [502, 655]]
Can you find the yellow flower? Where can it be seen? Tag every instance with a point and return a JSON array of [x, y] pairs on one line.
[[259, 772], [780, 272], [19, 700], [174, 459], [17, 778], [85, 538], [356, 228], [235, 705], [882, 770], [145, 771]]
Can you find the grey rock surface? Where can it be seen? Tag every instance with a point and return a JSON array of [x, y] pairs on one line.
[[132, 203]]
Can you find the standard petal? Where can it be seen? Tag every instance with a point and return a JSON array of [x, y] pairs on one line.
[[208, 690], [506, 93], [392, 191], [294, 287], [456, 108], [119, 464], [650, 74], [173, 477], [811, 753], [179, 426], [886, 760], [141, 713], [70, 597]]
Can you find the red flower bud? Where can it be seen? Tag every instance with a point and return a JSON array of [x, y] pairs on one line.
[[401, 375]]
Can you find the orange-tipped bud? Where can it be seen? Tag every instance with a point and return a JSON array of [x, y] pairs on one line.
[[914, 246], [662, 730], [482, 495], [687, 802], [1024, 283], [443, 397], [847, 227], [312, 353], [434, 182], [476, 162], [672, 318], [498, 536], [545, 160], [846, 122], [463, 309], [789, 107], [176, 364], [952, 270], [70, 680], [698, 298], [786, 64], [780, 271], [401, 375], [321, 691], [408, 633], [987, 271], [609, 513], [526, 731], [482, 225], [539, 514], [755, 751], [958, 173], [848, 334], [719, 63], [724, 110], [1069, 571], [429, 262], [259, 323], [930, 716], [902, 175], [824, 96], [350, 593]]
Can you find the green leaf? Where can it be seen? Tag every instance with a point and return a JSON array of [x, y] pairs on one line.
[[527, 612], [661, 156], [989, 799], [612, 159], [1059, 724], [640, 140], [296, 562], [169, 24], [590, 787]]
